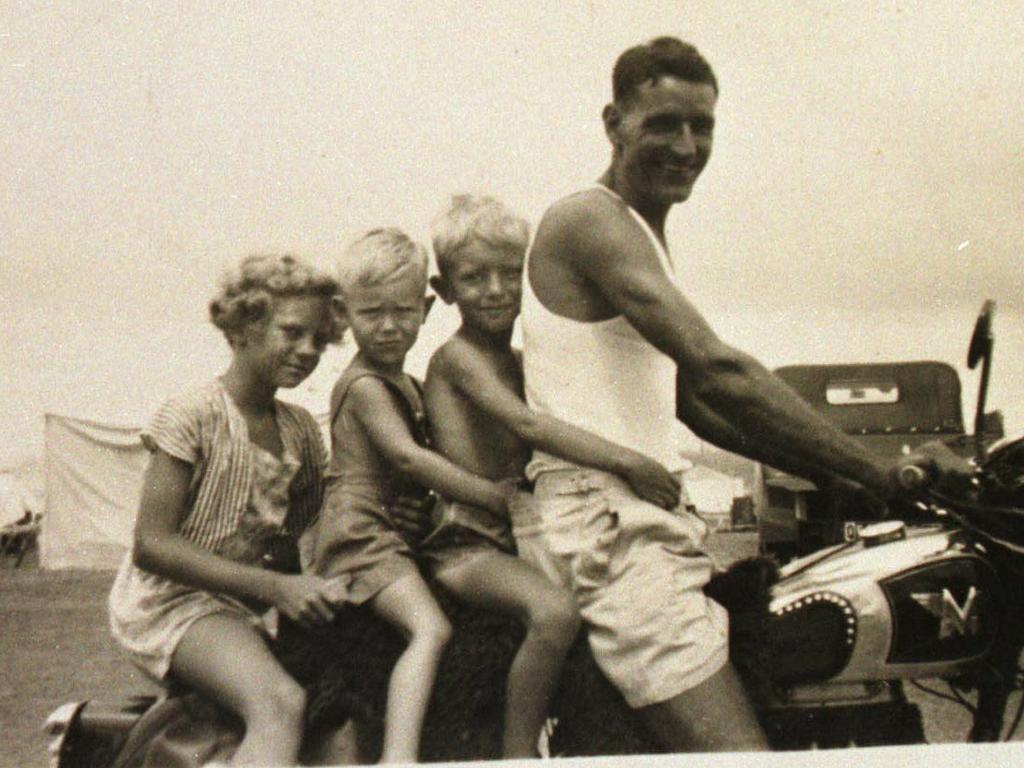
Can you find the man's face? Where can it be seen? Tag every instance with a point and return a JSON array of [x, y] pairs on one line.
[[662, 135]]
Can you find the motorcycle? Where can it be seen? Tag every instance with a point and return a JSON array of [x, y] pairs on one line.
[[849, 626], [825, 645]]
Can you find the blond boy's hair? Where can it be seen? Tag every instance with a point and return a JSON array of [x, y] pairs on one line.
[[380, 256], [476, 217]]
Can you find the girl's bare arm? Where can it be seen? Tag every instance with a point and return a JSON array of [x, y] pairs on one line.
[[160, 549]]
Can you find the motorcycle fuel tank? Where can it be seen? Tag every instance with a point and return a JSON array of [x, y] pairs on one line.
[[897, 603]]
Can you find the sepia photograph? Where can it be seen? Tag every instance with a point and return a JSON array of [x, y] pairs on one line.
[[434, 382]]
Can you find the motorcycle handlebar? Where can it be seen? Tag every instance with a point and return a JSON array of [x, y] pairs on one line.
[[912, 477]]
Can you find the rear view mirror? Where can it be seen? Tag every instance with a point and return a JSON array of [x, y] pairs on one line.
[[981, 339], [981, 350]]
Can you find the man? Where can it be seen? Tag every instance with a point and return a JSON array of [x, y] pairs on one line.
[[606, 329]]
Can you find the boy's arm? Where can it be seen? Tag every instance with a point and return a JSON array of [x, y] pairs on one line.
[[374, 407], [478, 382]]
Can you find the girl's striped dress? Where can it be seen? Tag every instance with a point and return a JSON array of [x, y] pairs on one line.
[[243, 503]]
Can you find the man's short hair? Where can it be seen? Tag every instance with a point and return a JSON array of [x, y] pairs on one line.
[[655, 59], [380, 256], [476, 217]]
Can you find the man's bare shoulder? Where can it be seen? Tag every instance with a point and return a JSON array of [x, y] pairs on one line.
[[584, 221]]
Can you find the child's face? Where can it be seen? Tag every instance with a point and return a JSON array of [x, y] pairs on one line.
[[385, 319], [486, 282], [285, 349]]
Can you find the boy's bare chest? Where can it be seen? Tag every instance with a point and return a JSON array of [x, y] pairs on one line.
[[498, 453], [468, 435], [508, 370], [497, 446]]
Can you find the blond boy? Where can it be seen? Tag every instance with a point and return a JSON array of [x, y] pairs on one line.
[[474, 399]]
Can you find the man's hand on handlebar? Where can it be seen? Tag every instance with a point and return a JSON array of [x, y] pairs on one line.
[[933, 464]]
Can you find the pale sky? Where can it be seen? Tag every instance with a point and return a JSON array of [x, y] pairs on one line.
[[864, 196]]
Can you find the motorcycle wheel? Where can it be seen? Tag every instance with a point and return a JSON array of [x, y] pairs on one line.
[[840, 727]]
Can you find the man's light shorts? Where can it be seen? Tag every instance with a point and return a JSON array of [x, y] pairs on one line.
[[637, 572]]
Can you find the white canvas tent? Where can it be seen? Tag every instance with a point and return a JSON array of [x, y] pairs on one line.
[[93, 478], [15, 499]]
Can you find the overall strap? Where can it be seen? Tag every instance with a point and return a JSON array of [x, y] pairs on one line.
[[413, 411]]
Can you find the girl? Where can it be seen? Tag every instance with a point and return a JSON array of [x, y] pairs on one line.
[[234, 478]]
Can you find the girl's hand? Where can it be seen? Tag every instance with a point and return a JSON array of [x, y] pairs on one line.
[[651, 481], [306, 600]]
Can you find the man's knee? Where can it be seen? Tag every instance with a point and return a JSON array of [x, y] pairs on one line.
[[715, 715]]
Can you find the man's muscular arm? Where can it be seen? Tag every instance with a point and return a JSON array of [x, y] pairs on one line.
[[711, 427], [609, 250]]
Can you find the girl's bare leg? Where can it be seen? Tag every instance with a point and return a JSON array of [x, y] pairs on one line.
[[225, 658], [500, 582], [409, 605]]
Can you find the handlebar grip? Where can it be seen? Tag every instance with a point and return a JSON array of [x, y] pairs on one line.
[[912, 477]]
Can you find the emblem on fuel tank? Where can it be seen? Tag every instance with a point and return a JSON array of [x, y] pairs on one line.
[[954, 619]]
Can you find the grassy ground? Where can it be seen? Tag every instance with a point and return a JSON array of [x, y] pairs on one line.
[[54, 648]]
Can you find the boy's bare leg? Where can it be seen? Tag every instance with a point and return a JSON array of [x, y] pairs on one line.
[[504, 583], [228, 660], [408, 605], [716, 716]]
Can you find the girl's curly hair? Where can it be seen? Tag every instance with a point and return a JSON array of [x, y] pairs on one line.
[[247, 292]]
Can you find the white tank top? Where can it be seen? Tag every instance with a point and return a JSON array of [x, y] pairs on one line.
[[602, 376]]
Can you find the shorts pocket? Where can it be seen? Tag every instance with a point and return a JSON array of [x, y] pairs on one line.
[[596, 552], [684, 534]]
